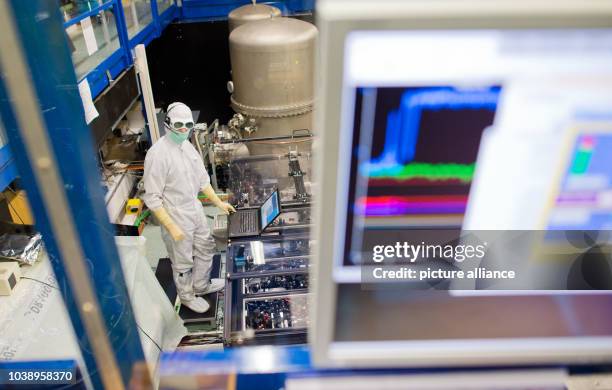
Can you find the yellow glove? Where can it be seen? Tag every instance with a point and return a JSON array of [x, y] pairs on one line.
[[226, 208], [162, 216]]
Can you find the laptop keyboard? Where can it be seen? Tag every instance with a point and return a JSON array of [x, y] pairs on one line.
[[247, 222], [220, 222]]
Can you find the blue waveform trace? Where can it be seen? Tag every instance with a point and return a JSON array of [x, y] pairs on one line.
[[403, 124]]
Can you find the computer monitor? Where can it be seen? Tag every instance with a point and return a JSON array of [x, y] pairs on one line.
[[270, 209], [445, 117]]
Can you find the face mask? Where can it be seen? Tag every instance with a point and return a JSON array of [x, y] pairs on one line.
[[178, 138]]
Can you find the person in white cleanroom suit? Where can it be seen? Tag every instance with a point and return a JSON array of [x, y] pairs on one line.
[[174, 174]]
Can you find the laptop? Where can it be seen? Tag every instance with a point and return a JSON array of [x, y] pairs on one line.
[[253, 221]]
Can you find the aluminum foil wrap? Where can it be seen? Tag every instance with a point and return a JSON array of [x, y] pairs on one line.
[[24, 248]]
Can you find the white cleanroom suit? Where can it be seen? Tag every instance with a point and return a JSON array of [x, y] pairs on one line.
[[174, 174]]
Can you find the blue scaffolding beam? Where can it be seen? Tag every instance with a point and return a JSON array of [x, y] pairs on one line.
[[44, 120]]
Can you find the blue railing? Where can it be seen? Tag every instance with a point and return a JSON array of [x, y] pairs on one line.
[[93, 12], [191, 10], [194, 10], [100, 76]]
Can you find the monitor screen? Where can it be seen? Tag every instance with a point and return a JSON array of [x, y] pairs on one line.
[[270, 210], [423, 153], [584, 200], [479, 133]]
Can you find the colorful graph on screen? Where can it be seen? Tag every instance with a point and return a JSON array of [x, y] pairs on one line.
[[585, 198], [424, 147]]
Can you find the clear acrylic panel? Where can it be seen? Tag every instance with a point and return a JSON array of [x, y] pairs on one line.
[[93, 39], [73, 8], [163, 5], [298, 217], [274, 283], [137, 15], [253, 178], [270, 255], [280, 312]]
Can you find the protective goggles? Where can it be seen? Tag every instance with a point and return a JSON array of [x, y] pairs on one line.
[[180, 125]]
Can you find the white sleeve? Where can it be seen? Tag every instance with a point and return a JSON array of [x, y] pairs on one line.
[[203, 174], [204, 178], [154, 180]]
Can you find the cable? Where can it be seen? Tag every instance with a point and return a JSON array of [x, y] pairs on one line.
[[150, 338], [40, 281], [142, 216], [16, 213]]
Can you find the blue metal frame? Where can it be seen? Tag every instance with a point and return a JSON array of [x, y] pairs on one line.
[[52, 75], [197, 10], [167, 17], [93, 12], [8, 168], [155, 13], [122, 33], [98, 78], [144, 36], [156, 27], [122, 57]]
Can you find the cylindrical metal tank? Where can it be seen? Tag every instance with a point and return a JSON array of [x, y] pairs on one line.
[[273, 78], [250, 13]]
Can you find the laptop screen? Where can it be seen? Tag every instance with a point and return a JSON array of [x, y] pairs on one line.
[[270, 210]]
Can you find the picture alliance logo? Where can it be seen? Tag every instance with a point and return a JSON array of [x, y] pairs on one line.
[[404, 251]]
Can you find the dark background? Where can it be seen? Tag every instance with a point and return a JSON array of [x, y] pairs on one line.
[[444, 135], [190, 63]]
